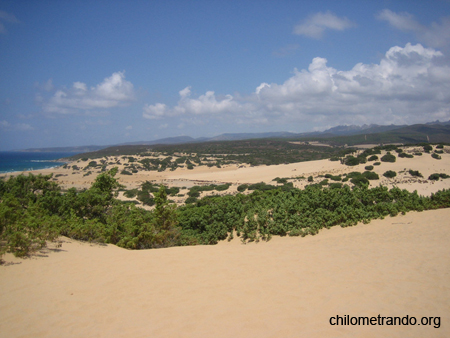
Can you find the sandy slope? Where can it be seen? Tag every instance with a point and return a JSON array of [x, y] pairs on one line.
[[288, 287]]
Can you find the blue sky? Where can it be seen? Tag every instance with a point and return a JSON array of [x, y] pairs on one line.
[[107, 72]]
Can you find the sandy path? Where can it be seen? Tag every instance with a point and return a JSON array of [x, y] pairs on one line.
[[288, 287]]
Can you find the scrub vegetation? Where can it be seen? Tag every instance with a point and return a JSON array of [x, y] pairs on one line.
[[34, 210]]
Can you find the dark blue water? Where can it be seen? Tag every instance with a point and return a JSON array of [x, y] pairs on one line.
[[19, 161]]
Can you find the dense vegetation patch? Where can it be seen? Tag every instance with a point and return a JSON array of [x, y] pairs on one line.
[[436, 176], [388, 158], [34, 210]]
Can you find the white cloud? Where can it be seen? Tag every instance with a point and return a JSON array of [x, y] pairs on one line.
[[112, 92], [437, 35], [129, 128], [5, 125], [155, 111], [411, 84], [204, 105], [315, 26], [6, 17]]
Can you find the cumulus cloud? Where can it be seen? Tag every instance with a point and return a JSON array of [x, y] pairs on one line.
[[411, 84], [407, 83], [112, 92], [315, 26], [6, 17], [436, 35], [206, 104]]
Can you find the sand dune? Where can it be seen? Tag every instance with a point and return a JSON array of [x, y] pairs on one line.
[[288, 287]]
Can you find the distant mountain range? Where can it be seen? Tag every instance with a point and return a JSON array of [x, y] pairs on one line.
[[427, 128]]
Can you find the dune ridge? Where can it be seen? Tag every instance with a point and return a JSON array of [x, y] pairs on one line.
[[288, 287]]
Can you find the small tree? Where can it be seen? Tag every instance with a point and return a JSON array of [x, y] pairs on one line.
[[165, 214]]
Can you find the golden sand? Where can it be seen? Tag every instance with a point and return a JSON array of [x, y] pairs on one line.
[[288, 287]]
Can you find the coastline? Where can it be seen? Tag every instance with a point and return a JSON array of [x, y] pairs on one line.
[[12, 162]]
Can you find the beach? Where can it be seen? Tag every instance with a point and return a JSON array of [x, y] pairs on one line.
[[287, 287]]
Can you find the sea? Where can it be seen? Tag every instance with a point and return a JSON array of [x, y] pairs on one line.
[[20, 160]]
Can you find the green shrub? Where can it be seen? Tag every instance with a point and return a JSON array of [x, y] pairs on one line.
[[352, 161], [334, 178], [223, 187], [261, 186], [405, 155], [324, 182], [369, 167], [310, 179], [280, 180], [126, 172], [242, 187], [435, 156], [360, 181], [131, 193], [388, 158], [377, 163], [415, 173], [373, 158], [390, 174], [436, 176], [427, 148], [370, 175], [190, 200]]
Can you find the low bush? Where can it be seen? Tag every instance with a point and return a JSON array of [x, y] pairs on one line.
[[388, 158], [436, 176], [435, 156], [427, 148], [390, 174], [415, 173], [370, 175], [280, 180], [242, 187], [369, 167], [333, 177]]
